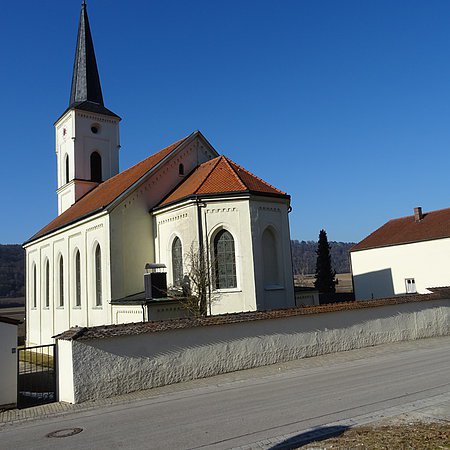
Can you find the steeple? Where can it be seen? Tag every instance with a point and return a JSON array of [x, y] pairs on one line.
[[86, 90]]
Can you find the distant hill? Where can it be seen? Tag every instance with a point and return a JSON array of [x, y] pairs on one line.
[[12, 266], [304, 256], [12, 271]]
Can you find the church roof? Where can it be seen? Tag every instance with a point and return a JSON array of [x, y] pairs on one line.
[[86, 91], [406, 230], [105, 193], [220, 176]]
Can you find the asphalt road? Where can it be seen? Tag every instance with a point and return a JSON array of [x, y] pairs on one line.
[[255, 409]]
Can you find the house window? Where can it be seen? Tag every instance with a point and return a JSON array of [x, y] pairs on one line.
[[61, 282], [181, 169], [177, 262], [34, 289], [410, 286], [270, 258], [67, 169], [224, 260], [77, 279], [96, 167], [98, 276], [47, 284]]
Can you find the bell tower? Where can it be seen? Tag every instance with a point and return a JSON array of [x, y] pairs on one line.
[[87, 133]]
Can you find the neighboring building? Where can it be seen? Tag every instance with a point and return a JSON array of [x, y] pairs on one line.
[[405, 256], [8, 361], [85, 266]]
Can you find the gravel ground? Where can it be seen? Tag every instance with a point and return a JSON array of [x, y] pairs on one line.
[[417, 436]]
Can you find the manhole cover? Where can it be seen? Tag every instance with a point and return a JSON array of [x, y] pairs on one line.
[[66, 432]]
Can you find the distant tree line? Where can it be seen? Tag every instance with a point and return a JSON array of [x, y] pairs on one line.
[[12, 271], [304, 256]]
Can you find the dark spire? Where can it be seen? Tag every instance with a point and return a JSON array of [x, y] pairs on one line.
[[85, 79]]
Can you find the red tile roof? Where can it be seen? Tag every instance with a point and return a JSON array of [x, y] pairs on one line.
[[434, 225], [218, 176], [108, 191]]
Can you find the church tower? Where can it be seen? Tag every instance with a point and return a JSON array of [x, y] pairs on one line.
[[87, 133]]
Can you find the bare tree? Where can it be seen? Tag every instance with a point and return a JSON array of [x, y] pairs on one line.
[[196, 288]]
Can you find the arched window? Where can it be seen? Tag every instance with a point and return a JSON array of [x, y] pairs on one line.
[[270, 258], [177, 262], [34, 286], [47, 284], [67, 169], [98, 276], [77, 279], [61, 281], [224, 260], [96, 167], [181, 169]]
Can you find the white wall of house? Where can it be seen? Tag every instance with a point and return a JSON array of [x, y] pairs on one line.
[[8, 364], [382, 272], [116, 365], [44, 321]]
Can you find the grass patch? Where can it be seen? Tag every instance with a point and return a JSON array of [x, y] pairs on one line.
[[423, 436]]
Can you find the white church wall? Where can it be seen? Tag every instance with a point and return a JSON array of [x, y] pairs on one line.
[[182, 221], [272, 215], [132, 234], [381, 272], [44, 322]]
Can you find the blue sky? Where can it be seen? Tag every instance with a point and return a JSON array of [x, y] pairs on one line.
[[345, 105]]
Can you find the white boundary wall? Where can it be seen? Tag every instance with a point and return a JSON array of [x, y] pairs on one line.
[[8, 364], [117, 365]]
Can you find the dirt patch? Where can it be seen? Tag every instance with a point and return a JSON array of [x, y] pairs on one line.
[[417, 436]]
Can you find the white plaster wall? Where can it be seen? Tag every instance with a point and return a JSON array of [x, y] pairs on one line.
[[65, 372], [43, 323], [132, 234], [8, 364], [113, 366], [221, 213], [78, 143], [127, 314], [381, 272], [273, 214]]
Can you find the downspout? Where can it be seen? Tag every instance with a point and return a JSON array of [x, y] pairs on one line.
[[290, 250], [201, 249]]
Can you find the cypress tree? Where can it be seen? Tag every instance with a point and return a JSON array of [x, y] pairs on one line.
[[325, 282]]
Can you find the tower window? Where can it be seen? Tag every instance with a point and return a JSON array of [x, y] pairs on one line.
[[96, 167], [67, 169], [181, 169], [94, 129]]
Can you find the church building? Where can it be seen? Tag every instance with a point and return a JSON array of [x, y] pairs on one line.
[[83, 265]]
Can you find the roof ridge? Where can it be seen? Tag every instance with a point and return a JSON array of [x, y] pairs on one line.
[[218, 158], [233, 170], [255, 176]]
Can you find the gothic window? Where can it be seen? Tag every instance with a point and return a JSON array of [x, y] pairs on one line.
[[77, 279], [34, 288], [96, 167], [181, 169], [177, 262], [98, 276], [47, 284], [224, 260], [270, 258], [61, 281], [67, 169]]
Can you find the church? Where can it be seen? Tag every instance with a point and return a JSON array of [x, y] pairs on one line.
[[83, 266]]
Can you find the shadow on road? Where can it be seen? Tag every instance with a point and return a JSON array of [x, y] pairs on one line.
[[318, 434]]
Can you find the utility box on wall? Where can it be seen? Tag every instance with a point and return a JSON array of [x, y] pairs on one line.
[[155, 281]]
